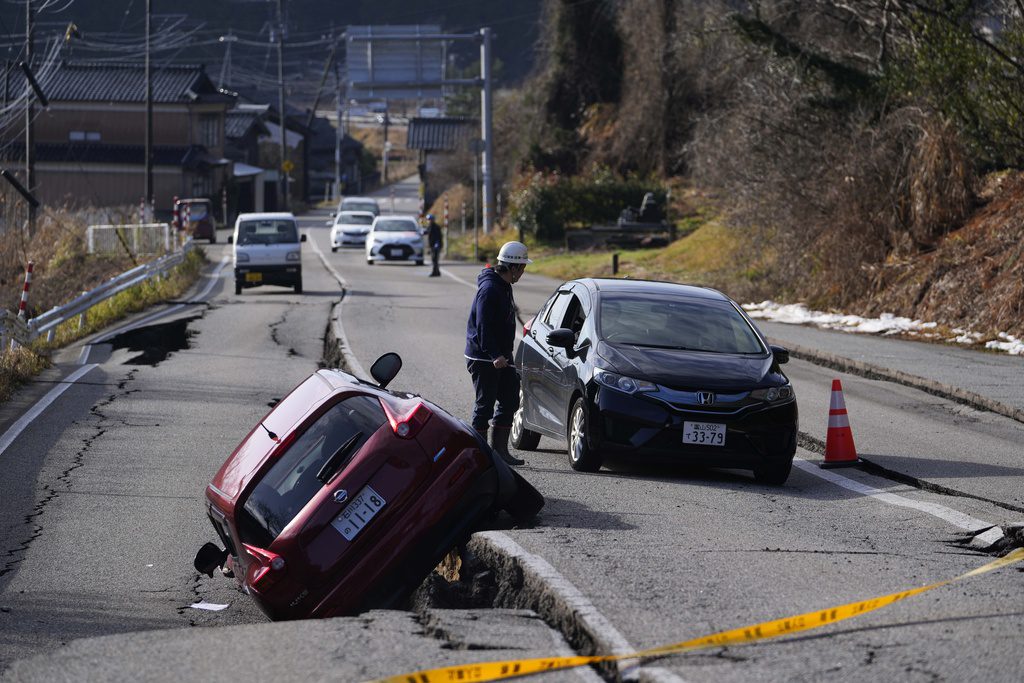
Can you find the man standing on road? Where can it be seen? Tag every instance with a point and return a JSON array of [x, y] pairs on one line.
[[434, 239], [490, 335]]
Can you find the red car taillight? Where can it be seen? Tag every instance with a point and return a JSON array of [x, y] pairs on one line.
[[268, 569], [528, 325], [407, 426]]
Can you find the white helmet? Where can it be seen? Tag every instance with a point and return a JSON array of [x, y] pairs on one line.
[[513, 253]]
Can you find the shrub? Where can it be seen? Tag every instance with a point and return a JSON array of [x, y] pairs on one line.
[[543, 204]]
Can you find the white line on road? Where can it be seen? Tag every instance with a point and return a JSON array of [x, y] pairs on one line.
[[35, 411], [958, 519], [457, 278]]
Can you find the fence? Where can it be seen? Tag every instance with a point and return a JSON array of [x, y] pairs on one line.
[[15, 330], [143, 238]]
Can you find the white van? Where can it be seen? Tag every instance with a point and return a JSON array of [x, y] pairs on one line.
[[267, 251]]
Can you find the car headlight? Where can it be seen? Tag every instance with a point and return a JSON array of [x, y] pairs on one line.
[[241, 257], [292, 256], [623, 383], [773, 394]]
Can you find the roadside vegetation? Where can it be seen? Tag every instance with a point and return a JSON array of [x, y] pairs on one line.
[[63, 269], [862, 156]]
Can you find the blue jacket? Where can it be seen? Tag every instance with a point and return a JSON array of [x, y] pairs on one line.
[[491, 330]]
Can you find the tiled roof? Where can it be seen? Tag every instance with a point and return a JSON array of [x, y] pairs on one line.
[[125, 83], [440, 134], [238, 122], [188, 156]]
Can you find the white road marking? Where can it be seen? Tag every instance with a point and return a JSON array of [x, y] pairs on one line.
[[957, 519], [339, 329], [455, 277], [35, 411]]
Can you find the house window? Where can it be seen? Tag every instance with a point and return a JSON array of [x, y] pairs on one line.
[[209, 130], [202, 186], [84, 136]]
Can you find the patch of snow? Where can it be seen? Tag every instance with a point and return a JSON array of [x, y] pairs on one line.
[[1008, 343], [885, 324]]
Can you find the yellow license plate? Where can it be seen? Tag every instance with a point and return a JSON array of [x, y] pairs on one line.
[[254, 277]]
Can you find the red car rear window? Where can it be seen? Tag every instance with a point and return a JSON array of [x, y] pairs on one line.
[[291, 482]]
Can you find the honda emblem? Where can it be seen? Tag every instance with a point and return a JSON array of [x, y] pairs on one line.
[[705, 398]]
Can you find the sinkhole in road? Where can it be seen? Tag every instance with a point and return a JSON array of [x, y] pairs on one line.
[[155, 342]]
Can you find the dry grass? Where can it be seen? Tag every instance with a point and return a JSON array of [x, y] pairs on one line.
[[975, 276], [62, 271], [17, 367]]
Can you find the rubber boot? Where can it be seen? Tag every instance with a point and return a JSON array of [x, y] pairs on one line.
[[499, 442]]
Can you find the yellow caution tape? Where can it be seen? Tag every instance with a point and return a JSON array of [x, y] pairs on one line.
[[495, 671]]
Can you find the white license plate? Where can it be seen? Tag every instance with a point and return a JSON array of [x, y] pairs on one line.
[[704, 433], [358, 513]]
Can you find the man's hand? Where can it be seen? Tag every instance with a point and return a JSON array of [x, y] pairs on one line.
[[500, 362]]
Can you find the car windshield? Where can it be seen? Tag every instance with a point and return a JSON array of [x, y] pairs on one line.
[[269, 231], [198, 211], [361, 206], [355, 218], [308, 465], [395, 225], [686, 323]]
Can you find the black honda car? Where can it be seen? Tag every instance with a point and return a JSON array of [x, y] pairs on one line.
[[655, 371]]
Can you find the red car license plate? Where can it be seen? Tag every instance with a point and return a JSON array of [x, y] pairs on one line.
[[357, 514]]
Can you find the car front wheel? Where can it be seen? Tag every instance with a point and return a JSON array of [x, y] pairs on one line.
[[582, 457]]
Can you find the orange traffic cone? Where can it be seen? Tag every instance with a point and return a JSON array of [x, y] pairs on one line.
[[839, 448]]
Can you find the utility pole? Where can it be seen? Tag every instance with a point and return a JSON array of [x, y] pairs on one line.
[[148, 194], [486, 122], [339, 133], [30, 133], [280, 103]]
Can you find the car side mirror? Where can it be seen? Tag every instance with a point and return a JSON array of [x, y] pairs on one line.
[[231, 239], [303, 237], [563, 338], [386, 368], [781, 354]]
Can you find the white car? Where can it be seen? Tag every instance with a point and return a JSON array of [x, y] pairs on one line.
[[359, 204], [267, 250], [350, 228], [395, 238]]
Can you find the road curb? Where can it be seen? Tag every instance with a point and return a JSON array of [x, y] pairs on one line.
[[527, 581], [871, 371]]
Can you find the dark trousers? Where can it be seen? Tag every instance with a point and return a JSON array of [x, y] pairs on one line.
[[435, 255], [492, 385]]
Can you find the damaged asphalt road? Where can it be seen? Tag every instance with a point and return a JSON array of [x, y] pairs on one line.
[[626, 558], [102, 495]]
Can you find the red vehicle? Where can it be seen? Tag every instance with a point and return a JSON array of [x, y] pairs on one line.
[[195, 216], [346, 495]]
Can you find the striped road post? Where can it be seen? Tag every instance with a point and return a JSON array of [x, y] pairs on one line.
[[24, 290]]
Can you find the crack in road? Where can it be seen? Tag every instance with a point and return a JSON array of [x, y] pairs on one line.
[[62, 483], [274, 327], [816, 445]]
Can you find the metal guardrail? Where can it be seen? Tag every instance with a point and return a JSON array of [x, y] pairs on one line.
[[14, 329]]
